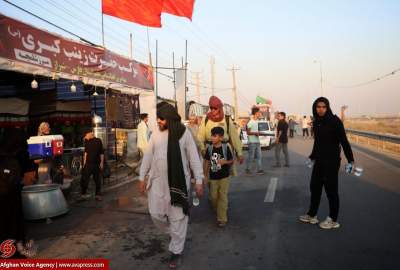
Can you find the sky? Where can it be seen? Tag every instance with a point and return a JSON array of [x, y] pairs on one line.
[[278, 46]]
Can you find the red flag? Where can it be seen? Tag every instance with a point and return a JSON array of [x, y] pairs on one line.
[[144, 12], [183, 8]]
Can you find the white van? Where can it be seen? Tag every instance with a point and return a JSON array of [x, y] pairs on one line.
[[267, 139]]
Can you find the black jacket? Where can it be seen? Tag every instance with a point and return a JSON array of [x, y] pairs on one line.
[[329, 135]]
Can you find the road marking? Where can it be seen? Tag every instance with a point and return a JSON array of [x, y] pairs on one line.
[[270, 196]]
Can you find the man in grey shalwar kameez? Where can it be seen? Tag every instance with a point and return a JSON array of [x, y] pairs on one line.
[[167, 161]]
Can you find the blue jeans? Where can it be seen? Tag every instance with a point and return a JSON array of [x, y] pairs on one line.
[[254, 152]]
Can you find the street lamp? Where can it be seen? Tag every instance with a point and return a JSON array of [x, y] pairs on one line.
[[320, 71]]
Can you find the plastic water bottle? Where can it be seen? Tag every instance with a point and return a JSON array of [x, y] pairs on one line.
[[348, 168], [196, 200], [358, 171], [309, 163]]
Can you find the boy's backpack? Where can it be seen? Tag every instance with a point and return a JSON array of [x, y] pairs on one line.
[[10, 174], [224, 150]]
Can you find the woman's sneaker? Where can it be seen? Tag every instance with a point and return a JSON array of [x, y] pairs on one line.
[[328, 223], [309, 219]]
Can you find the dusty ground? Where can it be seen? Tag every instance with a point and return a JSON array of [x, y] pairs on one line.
[[378, 125]]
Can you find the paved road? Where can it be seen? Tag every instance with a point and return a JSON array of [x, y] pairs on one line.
[[263, 232]]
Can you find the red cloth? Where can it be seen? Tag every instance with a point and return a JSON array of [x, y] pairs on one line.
[[144, 12], [182, 8], [215, 115]]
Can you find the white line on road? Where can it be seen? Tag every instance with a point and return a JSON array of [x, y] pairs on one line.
[[270, 196]]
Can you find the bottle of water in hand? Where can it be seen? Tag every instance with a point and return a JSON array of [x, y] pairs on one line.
[[358, 171], [309, 163], [196, 200]]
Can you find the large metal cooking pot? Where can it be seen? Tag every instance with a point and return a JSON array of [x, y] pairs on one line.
[[43, 201]]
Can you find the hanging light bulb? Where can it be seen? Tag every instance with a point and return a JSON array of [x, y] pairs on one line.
[[34, 84], [95, 92], [73, 88]]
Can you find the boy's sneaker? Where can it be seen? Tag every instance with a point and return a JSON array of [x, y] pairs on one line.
[[221, 224], [84, 197], [175, 260], [309, 219], [248, 172], [328, 223], [260, 172]]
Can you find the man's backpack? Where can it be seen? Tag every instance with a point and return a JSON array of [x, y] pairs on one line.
[[10, 174]]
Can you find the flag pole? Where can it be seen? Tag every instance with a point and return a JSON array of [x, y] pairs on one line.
[[186, 64], [102, 28], [156, 90], [148, 48], [130, 46], [173, 71]]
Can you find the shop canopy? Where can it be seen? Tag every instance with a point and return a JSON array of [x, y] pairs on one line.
[[26, 49]]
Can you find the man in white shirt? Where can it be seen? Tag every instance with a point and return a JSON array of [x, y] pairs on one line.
[[168, 159], [254, 151], [304, 125], [143, 133]]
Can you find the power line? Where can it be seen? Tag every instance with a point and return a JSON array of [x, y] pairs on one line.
[[59, 27], [191, 83], [87, 21], [367, 82]]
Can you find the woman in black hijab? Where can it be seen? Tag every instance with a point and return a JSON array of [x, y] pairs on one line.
[[329, 135]]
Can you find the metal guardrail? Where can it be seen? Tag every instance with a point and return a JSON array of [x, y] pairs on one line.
[[376, 136]]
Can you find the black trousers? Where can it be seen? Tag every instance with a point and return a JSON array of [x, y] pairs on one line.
[[305, 131], [87, 171], [291, 133], [325, 174], [12, 220]]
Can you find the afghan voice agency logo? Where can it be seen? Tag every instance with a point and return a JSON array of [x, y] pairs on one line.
[[7, 248]]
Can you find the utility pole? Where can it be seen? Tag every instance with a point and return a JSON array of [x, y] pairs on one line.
[[234, 90], [197, 80], [130, 46], [342, 114], [320, 73], [212, 63]]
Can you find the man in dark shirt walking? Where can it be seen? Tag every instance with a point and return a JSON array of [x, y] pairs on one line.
[[93, 163], [329, 135], [281, 140]]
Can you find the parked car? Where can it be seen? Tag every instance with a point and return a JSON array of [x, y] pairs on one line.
[[267, 139]]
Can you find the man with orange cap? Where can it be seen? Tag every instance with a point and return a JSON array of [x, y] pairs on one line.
[[216, 118]]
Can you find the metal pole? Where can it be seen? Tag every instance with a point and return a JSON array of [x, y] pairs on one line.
[[186, 64], [106, 116], [173, 71], [130, 46], [212, 63], [198, 86], [234, 92], [102, 28], [156, 88], [320, 71]]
